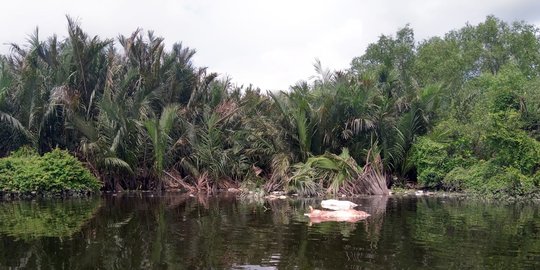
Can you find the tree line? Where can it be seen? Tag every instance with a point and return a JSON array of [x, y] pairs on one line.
[[458, 112]]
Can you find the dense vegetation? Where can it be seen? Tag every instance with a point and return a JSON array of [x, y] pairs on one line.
[[459, 112], [55, 172]]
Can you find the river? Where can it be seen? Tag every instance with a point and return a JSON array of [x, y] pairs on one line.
[[175, 231]]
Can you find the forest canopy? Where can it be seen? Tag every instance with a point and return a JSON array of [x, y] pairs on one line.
[[458, 112]]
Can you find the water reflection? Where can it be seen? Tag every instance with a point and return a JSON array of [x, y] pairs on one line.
[[50, 218], [32, 231], [172, 231]]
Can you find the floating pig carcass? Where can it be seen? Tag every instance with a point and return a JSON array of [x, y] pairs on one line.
[[348, 215]]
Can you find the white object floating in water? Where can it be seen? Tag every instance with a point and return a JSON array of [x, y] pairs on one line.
[[338, 205]]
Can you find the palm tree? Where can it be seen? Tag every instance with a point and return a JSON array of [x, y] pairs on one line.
[[158, 131]]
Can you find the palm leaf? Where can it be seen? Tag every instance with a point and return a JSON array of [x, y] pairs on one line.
[[114, 162], [15, 125]]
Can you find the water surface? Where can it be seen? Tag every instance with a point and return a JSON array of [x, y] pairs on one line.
[[172, 231]]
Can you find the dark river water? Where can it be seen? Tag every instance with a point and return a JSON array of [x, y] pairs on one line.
[[171, 231]]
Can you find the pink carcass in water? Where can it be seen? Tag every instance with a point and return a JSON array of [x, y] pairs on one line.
[[348, 215]]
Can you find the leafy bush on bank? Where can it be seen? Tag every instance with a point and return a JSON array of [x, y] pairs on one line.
[[492, 153], [54, 172]]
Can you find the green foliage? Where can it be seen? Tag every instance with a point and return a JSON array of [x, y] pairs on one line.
[[328, 171], [452, 157], [158, 131], [336, 174], [143, 116], [489, 179], [511, 146], [56, 171], [446, 148], [490, 154], [430, 158]]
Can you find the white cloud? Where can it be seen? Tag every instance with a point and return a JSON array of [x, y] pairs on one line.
[[271, 44]]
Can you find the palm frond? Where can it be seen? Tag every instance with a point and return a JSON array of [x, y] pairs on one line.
[[15, 125], [117, 163]]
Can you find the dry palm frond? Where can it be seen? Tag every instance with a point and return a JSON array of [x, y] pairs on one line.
[[280, 173], [372, 179]]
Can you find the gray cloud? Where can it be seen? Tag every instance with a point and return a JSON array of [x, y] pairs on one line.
[[271, 44], [526, 10]]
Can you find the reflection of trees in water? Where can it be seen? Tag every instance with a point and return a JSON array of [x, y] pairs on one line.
[[29, 228], [53, 218], [311, 243], [222, 232], [376, 207], [513, 230], [182, 232], [138, 230]]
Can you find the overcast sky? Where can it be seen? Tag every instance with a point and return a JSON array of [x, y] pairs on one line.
[[271, 44]]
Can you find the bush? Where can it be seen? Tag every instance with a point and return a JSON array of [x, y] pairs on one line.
[[492, 180], [429, 157], [56, 171], [457, 179], [511, 146], [491, 155], [433, 159]]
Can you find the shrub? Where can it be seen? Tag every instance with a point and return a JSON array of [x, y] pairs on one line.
[[511, 146], [429, 157], [493, 156], [56, 171], [433, 159], [492, 180]]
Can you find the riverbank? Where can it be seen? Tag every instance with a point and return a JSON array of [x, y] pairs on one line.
[[27, 175], [255, 195]]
